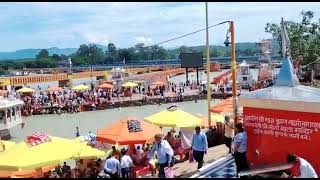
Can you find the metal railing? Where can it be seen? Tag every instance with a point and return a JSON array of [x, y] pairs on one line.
[[143, 63]]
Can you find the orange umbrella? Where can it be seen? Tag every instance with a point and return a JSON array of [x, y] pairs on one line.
[[54, 89], [222, 108], [118, 132], [105, 86], [159, 83], [26, 173]]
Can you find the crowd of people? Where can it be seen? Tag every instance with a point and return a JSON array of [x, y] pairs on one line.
[[42, 101]]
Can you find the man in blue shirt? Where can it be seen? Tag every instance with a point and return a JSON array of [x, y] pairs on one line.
[[112, 166], [199, 146], [164, 154], [239, 148]]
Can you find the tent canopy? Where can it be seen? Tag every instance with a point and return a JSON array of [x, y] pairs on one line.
[[80, 87], [129, 84], [118, 132], [25, 90], [225, 106], [105, 86], [215, 118], [173, 117], [6, 145], [87, 152], [25, 157]]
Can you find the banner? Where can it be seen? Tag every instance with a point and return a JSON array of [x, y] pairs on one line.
[[272, 134]]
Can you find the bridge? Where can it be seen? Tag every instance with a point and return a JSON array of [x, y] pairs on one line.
[[62, 78], [173, 62], [65, 78], [102, 71]]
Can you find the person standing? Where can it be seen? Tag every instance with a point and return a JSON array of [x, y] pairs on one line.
[[164, 154], [301, 168], [239, 148], [199, 146], [77, 132], [126, 164], [112, 166], [228, 132]]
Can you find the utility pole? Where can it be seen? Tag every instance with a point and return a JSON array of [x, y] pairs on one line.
[[208, 68], [234, 73]]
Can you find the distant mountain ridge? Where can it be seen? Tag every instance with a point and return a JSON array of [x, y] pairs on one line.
[[31, 53]]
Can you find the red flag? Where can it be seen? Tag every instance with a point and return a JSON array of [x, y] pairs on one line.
[[22, 125]]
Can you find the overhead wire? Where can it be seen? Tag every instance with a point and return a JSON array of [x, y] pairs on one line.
[[179, 37]]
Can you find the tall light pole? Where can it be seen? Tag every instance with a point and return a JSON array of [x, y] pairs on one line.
[[208, 67], [70, 64], [234, 73]]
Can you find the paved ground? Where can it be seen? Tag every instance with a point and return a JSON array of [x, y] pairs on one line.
[[225, 170], [186, 169]]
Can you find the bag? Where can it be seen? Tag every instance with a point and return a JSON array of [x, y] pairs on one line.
[[191, 159], [168, 172]]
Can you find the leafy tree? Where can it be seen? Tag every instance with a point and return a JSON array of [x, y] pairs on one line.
[[304, 36], [142, 52], [3, 71], [43, 54], [183, 49], [111, 53], [56, 57], [46, 63]]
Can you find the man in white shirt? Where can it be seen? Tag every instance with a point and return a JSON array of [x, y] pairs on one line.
[[112, 166], [301, 168], [139, 155], [125, 164], [228, 132]]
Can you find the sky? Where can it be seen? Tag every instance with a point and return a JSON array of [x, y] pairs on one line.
[[69, 24]]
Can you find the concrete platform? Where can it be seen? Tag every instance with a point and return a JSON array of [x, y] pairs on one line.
[[186, 169]]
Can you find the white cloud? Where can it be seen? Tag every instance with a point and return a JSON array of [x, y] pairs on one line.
[[126, 23], [142, 39], [96, 38]]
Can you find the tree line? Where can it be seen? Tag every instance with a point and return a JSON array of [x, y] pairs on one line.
[[89, 54]]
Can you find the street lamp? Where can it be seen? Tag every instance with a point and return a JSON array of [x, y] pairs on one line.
[[208, 68], [70, 64], [233, 66], [90, 61], [234, 72]]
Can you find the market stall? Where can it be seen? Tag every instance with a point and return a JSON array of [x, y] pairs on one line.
[[130, 131], [38, 150], [186, 122]]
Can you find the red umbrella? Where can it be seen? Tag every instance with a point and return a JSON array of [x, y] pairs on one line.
[[105, 86], [54, 89]]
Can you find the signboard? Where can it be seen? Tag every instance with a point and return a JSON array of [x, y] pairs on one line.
[[191, 60], [273, 134]]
